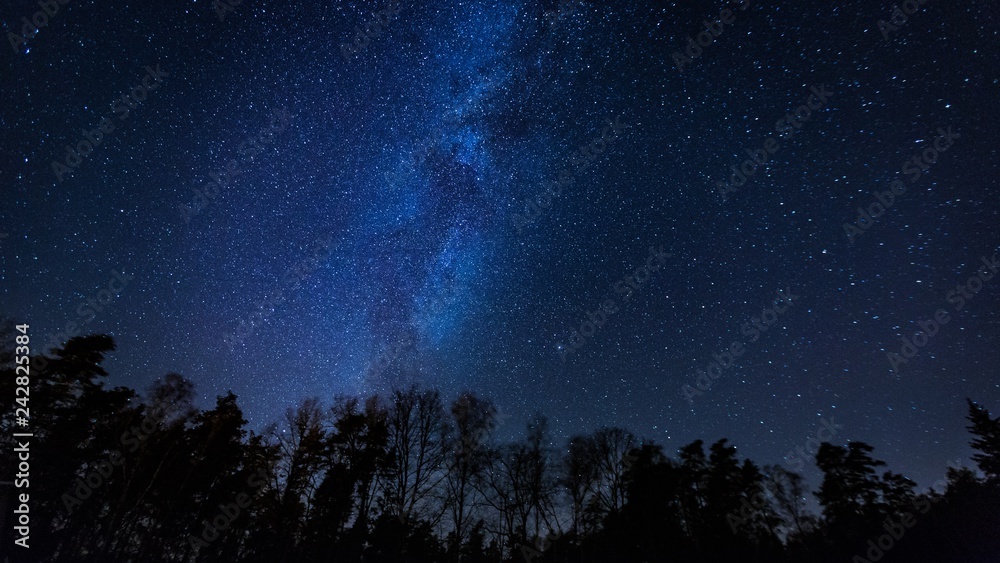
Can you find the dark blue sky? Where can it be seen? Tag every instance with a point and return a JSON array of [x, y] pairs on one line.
[[366, 208]]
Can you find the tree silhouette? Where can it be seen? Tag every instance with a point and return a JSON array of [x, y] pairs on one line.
[[987, 439], [474, 420], [121, 477]]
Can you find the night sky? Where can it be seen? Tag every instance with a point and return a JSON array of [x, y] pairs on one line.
[[367, 222]]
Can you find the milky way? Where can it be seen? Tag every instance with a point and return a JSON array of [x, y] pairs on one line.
[[338, 199]]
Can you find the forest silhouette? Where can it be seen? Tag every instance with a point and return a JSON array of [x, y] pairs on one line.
[[411, 476]]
